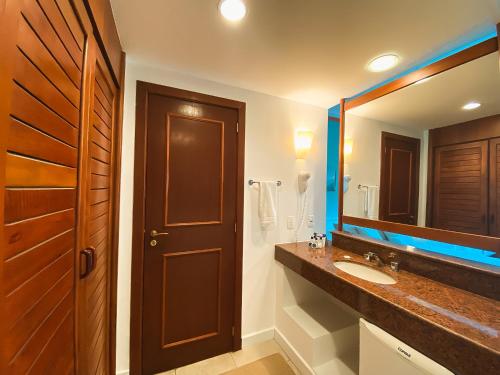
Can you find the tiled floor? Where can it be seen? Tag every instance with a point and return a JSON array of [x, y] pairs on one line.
[[230, 361]]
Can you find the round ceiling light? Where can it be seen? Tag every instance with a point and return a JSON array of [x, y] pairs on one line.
[[423, 80], [233, 10], [384, 62], [471, 105]]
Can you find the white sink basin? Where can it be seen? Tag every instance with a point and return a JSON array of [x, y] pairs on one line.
[[365, 272]]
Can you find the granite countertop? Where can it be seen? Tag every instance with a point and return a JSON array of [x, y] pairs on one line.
[[454, 327]]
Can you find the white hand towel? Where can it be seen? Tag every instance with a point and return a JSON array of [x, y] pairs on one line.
[[372, 202], [268, 199]]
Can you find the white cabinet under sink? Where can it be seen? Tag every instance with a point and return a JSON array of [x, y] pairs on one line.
[[318, 333]]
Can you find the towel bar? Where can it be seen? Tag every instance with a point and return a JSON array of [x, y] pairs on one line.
[[251, 182]]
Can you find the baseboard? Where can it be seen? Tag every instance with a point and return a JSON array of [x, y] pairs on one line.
[[290, 351], [256, 337]]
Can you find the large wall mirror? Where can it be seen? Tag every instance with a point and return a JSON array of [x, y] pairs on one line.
[[421, 155]]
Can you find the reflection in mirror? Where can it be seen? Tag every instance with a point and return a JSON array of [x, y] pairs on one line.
[[413, 244], [429, 154]]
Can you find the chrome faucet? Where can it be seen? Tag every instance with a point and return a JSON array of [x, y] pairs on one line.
[[393, 258], [371, 256]]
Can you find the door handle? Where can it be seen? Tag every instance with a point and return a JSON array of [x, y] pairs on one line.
[[155, 233], [89, 255]]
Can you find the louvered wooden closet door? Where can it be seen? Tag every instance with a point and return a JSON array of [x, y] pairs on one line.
[[461, 188], [42, 49], [95, 288], [494, 219]]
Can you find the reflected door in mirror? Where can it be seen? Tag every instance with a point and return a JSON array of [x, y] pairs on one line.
[[461, 188], [494, 186], [399, 178]]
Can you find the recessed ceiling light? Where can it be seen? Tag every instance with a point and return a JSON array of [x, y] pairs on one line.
[[423, 80], [471, 106], [233, 10], [384, 62]]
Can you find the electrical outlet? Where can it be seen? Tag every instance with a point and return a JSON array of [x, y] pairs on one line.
[[290, 222], [310, 221]]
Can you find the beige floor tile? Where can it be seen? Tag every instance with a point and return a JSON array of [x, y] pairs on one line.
[[256, 352], [171, 372], [274, 364], [212, 366]]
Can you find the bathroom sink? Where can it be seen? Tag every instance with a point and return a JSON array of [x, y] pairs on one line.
[[365, 272]]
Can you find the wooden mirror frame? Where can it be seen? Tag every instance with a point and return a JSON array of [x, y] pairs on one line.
[[465, 239]]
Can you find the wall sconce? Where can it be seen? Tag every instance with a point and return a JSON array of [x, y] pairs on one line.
[[348, 144], [303, 143]]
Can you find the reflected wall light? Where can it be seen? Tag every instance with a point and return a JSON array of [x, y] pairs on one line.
[[303, 143], [348, 145]]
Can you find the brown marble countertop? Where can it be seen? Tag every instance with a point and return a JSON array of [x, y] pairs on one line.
[[456, 328]]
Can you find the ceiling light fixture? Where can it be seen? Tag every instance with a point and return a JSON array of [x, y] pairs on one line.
[[471, 105], [233, 10], [384, 62], [423, 80]]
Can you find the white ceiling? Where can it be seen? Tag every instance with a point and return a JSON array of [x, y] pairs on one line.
[[438, 102], [311, 51]]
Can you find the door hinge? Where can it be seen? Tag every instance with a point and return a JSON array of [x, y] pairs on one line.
[[235, 226], [232, 331], [237, 127]]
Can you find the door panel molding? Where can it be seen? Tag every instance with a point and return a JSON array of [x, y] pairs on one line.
[[144, 89], [169, 123], [201, 336]]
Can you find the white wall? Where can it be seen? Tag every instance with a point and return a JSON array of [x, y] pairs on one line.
[[364, 164], [422, 192], [269, 155]]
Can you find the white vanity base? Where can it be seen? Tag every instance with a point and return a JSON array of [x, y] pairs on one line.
[[318, 333]]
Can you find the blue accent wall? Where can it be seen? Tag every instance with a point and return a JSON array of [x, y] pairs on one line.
[[332, 171]]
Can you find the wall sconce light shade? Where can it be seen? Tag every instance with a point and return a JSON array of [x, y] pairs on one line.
[[303, 143], [348, 146]]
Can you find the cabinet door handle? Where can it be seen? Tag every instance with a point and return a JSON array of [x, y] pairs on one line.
[[89, 255]]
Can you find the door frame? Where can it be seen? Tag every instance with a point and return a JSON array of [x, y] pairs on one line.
[[382, 201], [136, 301]]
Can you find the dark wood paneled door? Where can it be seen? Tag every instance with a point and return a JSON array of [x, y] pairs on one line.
[[399, 178], [494, 186], [460, 190], [189, 260]]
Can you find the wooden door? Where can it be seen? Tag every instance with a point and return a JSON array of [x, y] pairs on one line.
[[460, 190], [42, 50], [97, 202], [399, 179], [494, 187], [189, 266]]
